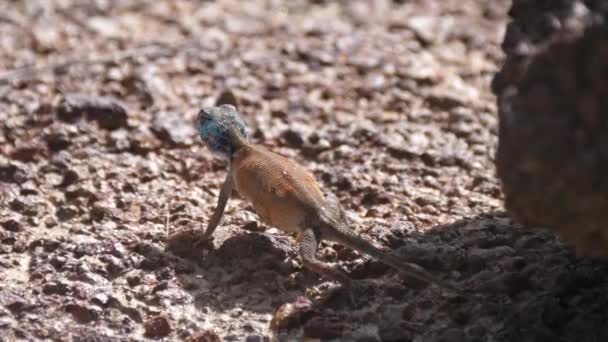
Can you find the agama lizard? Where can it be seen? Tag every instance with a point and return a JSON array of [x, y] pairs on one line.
[[286, 196]]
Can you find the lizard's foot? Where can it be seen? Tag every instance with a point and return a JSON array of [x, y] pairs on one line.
[[188, 243]]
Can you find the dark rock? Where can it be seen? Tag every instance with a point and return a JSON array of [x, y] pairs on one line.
[[55, 287], [324, 328], [69, 177], [452, 335], [552, 93], [114, 265], [98, 212], [254, 338], [11, 173], [134, 279], [478, 257], [27, 152], [16, 302], [108, 112], [204, 336], [57, 141], [374, 196], [48, 246], [392, 326], [252, 226], [259, 246], [24, 205], [67, 212], [11, 225], [227, 97], [292, 138], [81, 313], [157, 327], [57, 261]]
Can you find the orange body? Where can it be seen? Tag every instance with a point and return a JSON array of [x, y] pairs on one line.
[[282, 192]]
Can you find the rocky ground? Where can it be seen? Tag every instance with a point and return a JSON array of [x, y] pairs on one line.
[[387, 103]]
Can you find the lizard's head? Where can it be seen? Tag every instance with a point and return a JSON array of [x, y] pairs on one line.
[[221, 129]]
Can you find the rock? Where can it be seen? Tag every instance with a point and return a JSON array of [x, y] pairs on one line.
[[70, 177], [101, 299], [46, 37], [11, 225], [108, 112], [157, 327], [55, 287], [430, 28], [290, 315], [479, 256], [15, 301], [173, 128], [81, 313], [292, 138], [27, 152], [552, 156], [134, 278], [204, 336], [324, 328], [57, 141], [105, 26], [186, 243], [25, 206], [252, 226], [392, 324], [98, 211], [452, 335], [11, 173], [268, 247], [67, 212], [227, 97]]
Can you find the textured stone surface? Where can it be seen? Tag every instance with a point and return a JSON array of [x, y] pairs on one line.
[[552, 92]]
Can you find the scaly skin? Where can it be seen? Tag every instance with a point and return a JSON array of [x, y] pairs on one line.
[[287, 197]]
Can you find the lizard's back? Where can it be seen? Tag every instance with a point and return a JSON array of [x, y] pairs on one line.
[[283, 194]]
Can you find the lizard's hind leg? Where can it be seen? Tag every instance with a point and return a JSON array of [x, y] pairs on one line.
[[308, 253]]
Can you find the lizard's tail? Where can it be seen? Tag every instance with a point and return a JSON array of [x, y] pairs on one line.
[[352, 240]]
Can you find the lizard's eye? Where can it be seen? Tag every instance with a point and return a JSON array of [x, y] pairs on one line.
[[200, 118]]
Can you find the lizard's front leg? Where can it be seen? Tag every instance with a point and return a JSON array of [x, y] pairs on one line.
[[186, 241], [219, 208]]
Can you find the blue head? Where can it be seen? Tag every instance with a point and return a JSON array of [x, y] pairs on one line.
[[222, 129]]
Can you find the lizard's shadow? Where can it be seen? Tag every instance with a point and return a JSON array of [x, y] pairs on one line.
[[248, 270]]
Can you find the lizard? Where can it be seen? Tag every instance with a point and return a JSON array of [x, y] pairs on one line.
[[286, 196]]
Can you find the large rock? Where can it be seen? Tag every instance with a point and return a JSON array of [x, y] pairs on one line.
[[552, 93]]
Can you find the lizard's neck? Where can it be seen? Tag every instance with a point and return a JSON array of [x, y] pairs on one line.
[[237, 142]]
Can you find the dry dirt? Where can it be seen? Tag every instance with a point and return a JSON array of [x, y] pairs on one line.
[[387, 103]]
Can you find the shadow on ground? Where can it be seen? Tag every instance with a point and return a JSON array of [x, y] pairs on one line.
[[531, 287]]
